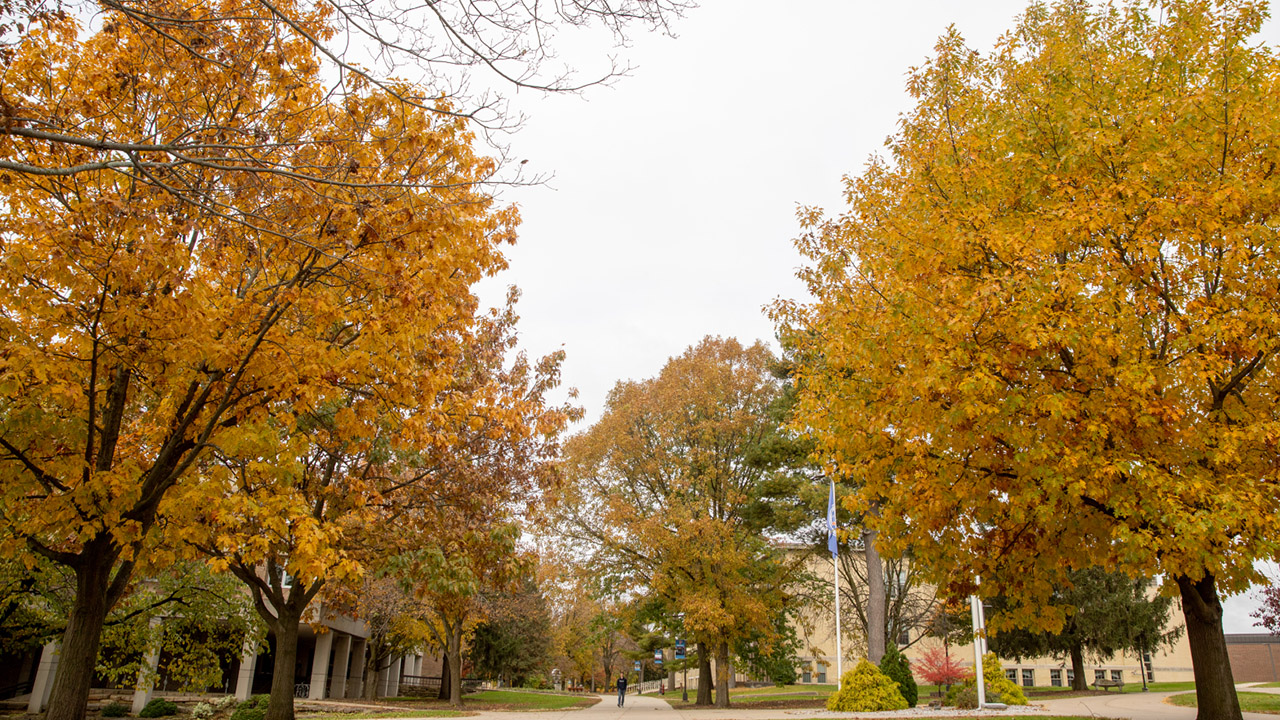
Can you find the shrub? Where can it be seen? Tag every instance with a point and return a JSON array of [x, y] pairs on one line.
[[115, 709], [1009, 692], [895, 666], [248, 713], [999, 688], [964, 697], [255, 708], [202, 711], [224, 701], [866, 689], [158, 708]]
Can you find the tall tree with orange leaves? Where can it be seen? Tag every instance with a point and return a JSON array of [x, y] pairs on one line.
[[661, 497], [311, 498], [1043, 333], [151, 313]]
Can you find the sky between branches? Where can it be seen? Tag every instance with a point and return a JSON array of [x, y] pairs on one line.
[[672, 204]]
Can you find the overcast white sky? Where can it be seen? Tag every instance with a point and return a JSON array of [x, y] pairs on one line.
[[672, 207]]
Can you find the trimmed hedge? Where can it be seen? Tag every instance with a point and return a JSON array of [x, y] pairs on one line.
[[866, 689], [115, 709]]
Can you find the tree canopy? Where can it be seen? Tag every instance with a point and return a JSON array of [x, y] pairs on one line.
[[660, 494], [1043, 331], [1107, 613]]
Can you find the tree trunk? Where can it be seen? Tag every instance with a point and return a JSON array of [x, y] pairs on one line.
[[280, 706], [704, 674], [377, 653], [453, 656], [1215, 688], [1079, 682], [445, 682], [70, 693], [722, 674], [877, 599]]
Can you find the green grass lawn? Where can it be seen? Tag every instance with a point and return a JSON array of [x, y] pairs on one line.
[[1160, 686], [517, 700], [387, 714], [802, 694], [1269, 685], [1249, 702], [487, 700]]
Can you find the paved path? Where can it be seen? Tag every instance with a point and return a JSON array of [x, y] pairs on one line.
[[1133, 706]]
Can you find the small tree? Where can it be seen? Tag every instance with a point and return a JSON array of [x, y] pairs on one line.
[[1268, 613], [937, 667], [895, 665]]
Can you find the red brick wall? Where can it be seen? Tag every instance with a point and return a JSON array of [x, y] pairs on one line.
[[1255, 662]]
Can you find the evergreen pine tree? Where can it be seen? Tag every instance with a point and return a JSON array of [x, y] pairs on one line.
[[895, 665]]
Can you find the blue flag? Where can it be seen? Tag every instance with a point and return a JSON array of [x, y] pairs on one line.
[[832, 543]]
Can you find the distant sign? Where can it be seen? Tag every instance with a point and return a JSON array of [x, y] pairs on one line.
[[679, 649], [637, 666]]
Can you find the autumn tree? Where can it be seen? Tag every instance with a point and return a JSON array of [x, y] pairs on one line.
[[936, 666], [908, 601], [450, 46], [395, 621], [1042, 333], [449, 579], [1106, 613], [310, 501], [1268, 612], [659, 493], [143, 330]]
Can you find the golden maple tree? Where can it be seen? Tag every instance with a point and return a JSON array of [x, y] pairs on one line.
[[153, 312], [1043, 333], [659, 492], [309, 495]]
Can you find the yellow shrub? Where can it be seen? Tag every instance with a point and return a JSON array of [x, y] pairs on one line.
[[866, 689], [1010, 693]]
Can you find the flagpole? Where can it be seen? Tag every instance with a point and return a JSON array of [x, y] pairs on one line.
[[835, 562], [833, 544]]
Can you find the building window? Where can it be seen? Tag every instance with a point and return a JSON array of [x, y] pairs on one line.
[[822, 676], [1148, 668], [1012, 674], [1116, 675], [1071, 677], [1055, 677], [904, 638], [805, 676], [1028, 677], [1099, 675]]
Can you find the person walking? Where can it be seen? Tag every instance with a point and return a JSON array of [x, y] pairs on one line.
[[622, 689]]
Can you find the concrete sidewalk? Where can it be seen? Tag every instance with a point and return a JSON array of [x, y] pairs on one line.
[[649, 708], [1130, 706]]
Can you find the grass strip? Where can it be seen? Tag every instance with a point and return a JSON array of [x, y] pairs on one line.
[[1249, 702], [384, 714]]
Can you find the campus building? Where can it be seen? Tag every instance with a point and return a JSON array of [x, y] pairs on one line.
[[817, 662], [330, 664]]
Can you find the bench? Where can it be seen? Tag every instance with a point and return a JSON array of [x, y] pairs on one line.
[[1107, 684]]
